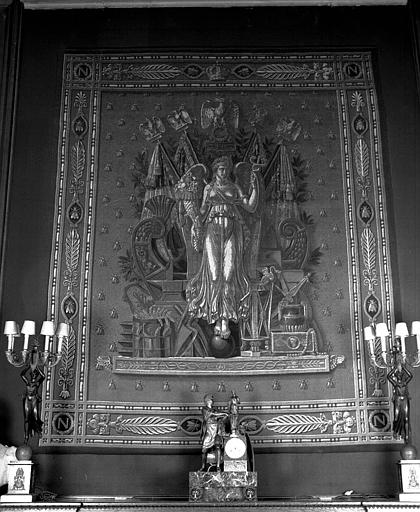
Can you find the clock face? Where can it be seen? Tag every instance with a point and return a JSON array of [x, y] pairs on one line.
[[235, 448]]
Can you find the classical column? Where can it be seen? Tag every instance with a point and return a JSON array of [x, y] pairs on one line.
[[10, 31]]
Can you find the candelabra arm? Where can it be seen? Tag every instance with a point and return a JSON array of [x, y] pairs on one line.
[[379, 362], [50, 360], [14, 359], [415, 363]]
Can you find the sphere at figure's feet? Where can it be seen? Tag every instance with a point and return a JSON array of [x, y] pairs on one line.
[[220, 347], [217, 343], [408, 452], [24, 452]]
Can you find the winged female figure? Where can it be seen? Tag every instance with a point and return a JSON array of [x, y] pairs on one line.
[[217, 291]]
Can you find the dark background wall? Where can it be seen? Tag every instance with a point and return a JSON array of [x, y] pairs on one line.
[[45, 37]]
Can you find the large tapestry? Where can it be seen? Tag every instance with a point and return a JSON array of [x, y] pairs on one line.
[[220, 225]]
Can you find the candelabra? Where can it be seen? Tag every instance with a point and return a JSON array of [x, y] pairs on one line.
[[394, 358], [34, 357], [33, 361]]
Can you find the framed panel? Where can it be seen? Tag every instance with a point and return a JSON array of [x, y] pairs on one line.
[[175, 284]]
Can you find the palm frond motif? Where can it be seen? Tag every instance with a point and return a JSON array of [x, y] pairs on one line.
[[72, 249], [146, 425], [154, 71], [78, 159], [361, 158], [298, 423], [368, 249]]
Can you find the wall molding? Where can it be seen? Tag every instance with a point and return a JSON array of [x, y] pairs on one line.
[[98, 4], [10, 30]]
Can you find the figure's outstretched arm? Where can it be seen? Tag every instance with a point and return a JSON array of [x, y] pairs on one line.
[[250, 202], [392, 379], [41, 376], [255, 193], [23, 374], [219, 415]]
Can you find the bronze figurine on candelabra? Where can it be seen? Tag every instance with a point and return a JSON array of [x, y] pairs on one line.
[[33, 361], [399, 376], [33, 376], [394, 358]]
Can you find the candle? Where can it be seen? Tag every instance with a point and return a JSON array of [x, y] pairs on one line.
[[382, 332], [47, 330], [401, 331], [415, 330], [402, 340], [28, 329], [62, 332], [11, 330], [370, 337]]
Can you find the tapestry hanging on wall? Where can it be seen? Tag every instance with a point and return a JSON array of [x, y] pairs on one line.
[[220, 225]]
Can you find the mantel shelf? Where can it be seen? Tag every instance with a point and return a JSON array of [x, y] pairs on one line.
[[118, 504]]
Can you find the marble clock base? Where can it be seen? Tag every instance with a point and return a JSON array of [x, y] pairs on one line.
[[208, 487]]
